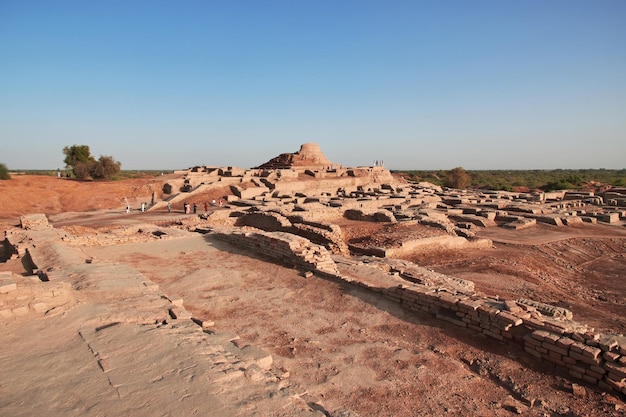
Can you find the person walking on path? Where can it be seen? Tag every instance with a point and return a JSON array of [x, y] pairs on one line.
[[206, 206], [169, 207], [195, 208]]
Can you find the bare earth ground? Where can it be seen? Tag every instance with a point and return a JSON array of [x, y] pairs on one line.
[[345, 347]]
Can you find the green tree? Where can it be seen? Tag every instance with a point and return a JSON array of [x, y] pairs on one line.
[[4, 172], [105, 167], [79, 158], [457, 178]]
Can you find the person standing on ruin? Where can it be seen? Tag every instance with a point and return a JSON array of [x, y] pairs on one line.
[[206, 206], [195, 208]]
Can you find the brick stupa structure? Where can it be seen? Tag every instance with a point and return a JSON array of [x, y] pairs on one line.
[[309, 155]]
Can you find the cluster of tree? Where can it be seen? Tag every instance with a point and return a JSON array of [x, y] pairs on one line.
[[4, 172], [546, 180], [84, 165]]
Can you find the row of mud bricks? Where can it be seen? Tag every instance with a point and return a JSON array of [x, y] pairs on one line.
[[106, 239], [587, 356]]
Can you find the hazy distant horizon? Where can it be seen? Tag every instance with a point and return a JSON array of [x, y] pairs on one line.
[[11, 169], [485, 85]]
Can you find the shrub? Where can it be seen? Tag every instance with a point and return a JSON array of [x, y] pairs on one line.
[[458, 178], [4, 172], [104, 168]]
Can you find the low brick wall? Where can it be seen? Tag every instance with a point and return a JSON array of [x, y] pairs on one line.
[[130, 234], [285, 247], [410, 246], [35, 222], [23, 296], [333, 240], [383, 216], [595, 358], [328, 235]]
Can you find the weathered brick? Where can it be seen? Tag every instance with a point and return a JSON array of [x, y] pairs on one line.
[[469, 305], [564, 342], [509, 318], [617, 385], [532, 352], [554, 348], [616, 369], [593, 374], [590, 379], [555, 357], [540, 335], [493, 334], [569, 361], [529, 339], [607, 344], [591, 352], [585, 359], [598, 369], [576, 374], [610, 356]]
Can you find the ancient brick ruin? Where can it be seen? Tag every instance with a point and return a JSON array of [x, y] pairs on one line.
[[285, 209]]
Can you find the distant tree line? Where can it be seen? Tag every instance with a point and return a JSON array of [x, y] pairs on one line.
[[78, 158], [505, 180]]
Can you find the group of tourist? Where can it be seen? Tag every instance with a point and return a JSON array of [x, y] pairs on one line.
[[193, 208], [188, 208]]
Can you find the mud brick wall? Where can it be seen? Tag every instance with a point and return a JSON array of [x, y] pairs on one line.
[[285, 247], [331, 239], [147, 233], [268, 221], [376, 216], [21, 296], [35, 222], [328, 235], [595, 358]]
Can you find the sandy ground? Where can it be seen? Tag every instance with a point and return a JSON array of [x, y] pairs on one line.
[[341, 348]]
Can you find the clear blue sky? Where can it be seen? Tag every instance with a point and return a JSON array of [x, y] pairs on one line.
[[528, 84]]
